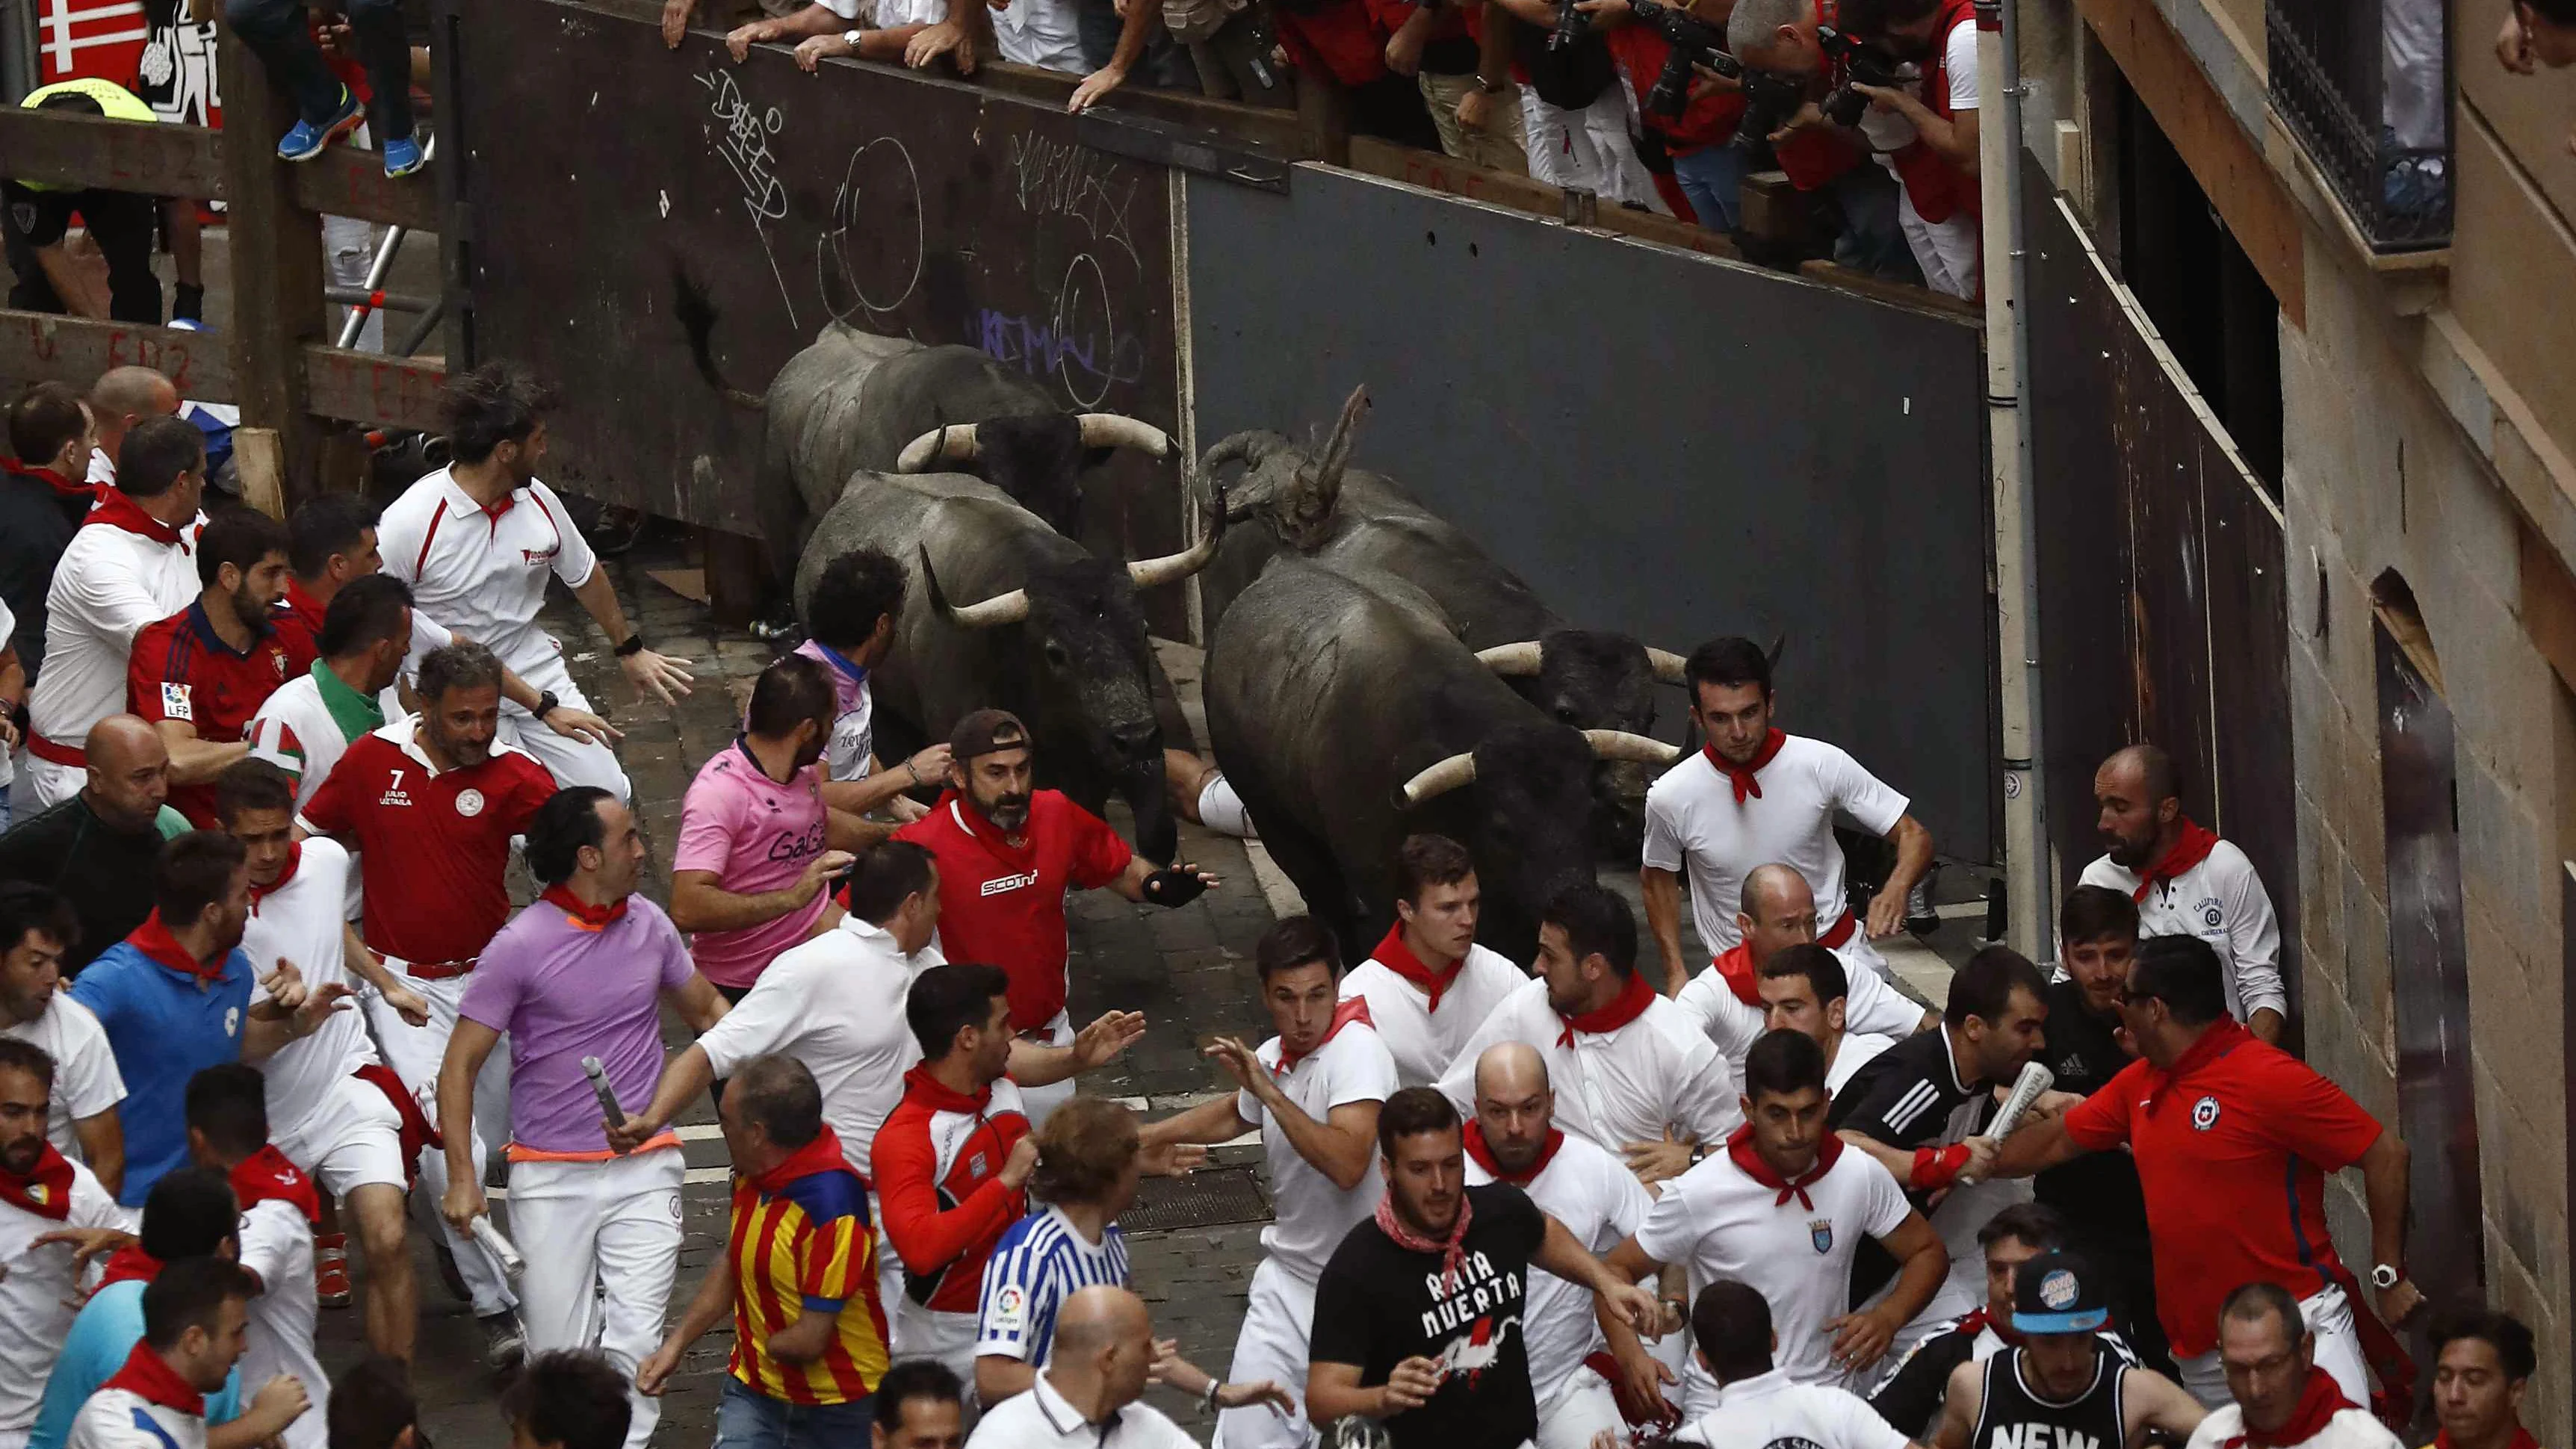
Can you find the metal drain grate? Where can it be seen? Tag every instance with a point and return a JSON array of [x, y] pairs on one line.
[[1204, 1199]]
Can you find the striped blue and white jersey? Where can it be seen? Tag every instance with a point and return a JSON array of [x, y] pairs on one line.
[[1041, 1260]]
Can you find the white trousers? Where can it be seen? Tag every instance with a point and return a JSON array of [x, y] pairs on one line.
[[602, 1240], [927, 1333], [1278, 1324], [1581, 1407], [42, 785], [1588, 148], [415, 1052], [1946, 251], [2329, 1316], [353, 1139], [1040, 1102], [570, 761], [1222, 810]]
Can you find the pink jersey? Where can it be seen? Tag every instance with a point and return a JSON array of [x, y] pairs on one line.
[[753, 834]]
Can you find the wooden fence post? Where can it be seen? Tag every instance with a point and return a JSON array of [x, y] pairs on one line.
[[1323, 118], [276, 267]]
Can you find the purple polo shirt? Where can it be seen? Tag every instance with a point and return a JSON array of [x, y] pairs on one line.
[[564, 991]]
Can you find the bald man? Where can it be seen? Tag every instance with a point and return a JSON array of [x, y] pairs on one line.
[[1571, 1362], [1087, 1394], [1778, 911], [96, 849], [2188, 882], [122, 397]]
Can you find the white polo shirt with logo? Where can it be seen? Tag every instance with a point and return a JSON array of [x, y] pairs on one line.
[[2222, 901], [482, 572], [109, 585]]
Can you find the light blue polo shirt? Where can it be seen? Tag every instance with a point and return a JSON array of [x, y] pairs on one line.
[[165, 1027], [102, 1337]]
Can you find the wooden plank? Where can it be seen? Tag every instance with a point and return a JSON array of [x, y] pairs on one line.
[[1271, 126], [2228, 164], [373, 388], [40, 346], [345, 181], [259, 466], [66, 148], [1434, 172], [1323, 120], [1902, 294], [276, 267]]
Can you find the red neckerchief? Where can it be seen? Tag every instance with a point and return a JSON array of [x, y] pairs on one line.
[[1739, 1146], [147, 1377], [1735, 968], [267, 1176], [585, 917], [1745, 776], [63, 487], [417, 1132], [918, 1082], [821, 1155], [116, 510], [154, 940], [1452, 1249], [1978, 1320], [1627, 1006], [2221, 1037], [1483, 1151], [2191, 846], [2319, 1402], [1345, 1012], [130, 1264], [1397, 957], [304, 606], [294, 858], [46, 1191], [2522, 1439]]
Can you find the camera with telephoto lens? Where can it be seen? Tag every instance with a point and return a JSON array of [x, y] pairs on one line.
[[1694, 42], [1862, 65]]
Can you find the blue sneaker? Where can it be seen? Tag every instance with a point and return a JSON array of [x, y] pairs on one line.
[[308, 140], [403, 157]]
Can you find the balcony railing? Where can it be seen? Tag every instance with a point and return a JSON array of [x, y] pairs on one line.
[[2366, 85]]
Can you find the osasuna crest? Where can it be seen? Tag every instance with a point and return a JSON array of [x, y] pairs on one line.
[[2204, 1114], [1820, 1234]]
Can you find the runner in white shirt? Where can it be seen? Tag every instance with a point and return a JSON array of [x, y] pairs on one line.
[[333, 1109], [1775, 912], [1803, 991], [1314, 1091], [131, 563], [1510, 1137], [1753, 795], [1631, 1070], [311, 720], [36, 926], [1757, 1404], [478, 539], [1784, 1208], [228, 1129], [1429, 985], [48, 1204], [850, 618], [2188, 882], [121, 398]]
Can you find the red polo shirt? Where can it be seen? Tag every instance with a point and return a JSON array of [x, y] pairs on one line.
[[298, 621], [1001, 901], [182, 670], [2233, 1145]]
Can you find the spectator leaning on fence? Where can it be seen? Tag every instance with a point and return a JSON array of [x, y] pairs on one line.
[[1937, 165], [37, 216]]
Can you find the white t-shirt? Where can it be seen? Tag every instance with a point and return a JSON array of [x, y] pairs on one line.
[[277, 1244], [1424, 1042], [39, 1294], [124, 1419], [484, 576], [1615, 1087], [2222, 901], [834, 1003], [1039, 33], [300, 920], [1720, 1223], [1309, 1215], [86, 1081], [1694, 826], [1045, 1419], [1600, 1202], [2348, 1429], [1771, 1409], [1851, 1054], [1869, 1005], [107, 586]]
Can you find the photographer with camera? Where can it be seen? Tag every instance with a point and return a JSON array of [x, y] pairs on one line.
[[1937, 165], [1799, 74], [1548, 58], [1667, 51]]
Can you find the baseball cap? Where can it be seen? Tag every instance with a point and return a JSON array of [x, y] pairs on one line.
[[2058, 1293], [987, 730]]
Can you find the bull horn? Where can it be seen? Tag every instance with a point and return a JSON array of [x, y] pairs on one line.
[[1621, 745], [1667, 665], [1511, 661], [994, 612], [1440, 779], [1117, 430], [1327, 480], [1174, 567], [954, 443]]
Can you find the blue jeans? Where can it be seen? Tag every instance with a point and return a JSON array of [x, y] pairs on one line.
[[1713, 178], [276, 33], [749, 1419]]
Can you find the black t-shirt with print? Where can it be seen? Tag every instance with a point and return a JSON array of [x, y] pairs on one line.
[[1378, 1304]]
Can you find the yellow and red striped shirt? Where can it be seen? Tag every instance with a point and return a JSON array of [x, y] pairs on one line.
[[802, 1243]]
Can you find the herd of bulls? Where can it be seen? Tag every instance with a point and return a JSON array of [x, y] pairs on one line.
[[1370, 671]]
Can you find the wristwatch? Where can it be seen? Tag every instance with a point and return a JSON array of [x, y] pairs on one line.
[[2386, 1276], [546, 704], [850, 38], [1699, 1153], [633, 645], [1493, 87]]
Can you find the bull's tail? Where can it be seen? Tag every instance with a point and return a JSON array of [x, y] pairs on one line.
[[697, 313]]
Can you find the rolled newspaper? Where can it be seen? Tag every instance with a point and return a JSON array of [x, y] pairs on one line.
[[608, 1107], [2034, 1079], [499, 1247]]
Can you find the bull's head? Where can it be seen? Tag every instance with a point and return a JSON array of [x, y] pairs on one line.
[[1589, 679], [1526, 820], [1037, 459], [1295, 488]]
